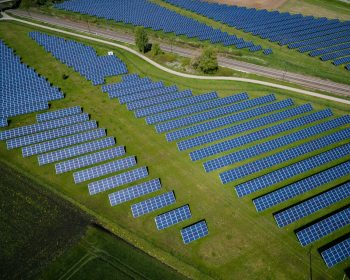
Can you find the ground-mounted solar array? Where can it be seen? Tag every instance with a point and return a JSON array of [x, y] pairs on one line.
[[81, 58], [22, 90], [72, 142], [150, 15], [252, 143], [327, 38]]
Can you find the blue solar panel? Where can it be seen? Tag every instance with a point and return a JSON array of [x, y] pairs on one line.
[[336, 253], [144, 105], [135, 89], [286, 155], [75, 150], [165, 116], [276, 143], [104, 169], [302, 186], [312, 205], [117, 180], [176, 104], [203, 116], [290, 171], [89, 159], [134, 192], [194, 232], [172, 217], [250, 137], [50, 134], [230, 119], [63, 142], [58, 114], [153, 204], [324, 227], [147, 94], [38, 127]]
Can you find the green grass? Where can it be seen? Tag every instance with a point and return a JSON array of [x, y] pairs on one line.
[[241, 243], [282, 58], [319, 8], [99, 254]]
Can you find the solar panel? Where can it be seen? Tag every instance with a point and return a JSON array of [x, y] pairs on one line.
[[176, 104], [117, 180], [134, 192], [76, 150], [283, 194], [147, 94], [230, 119], [166, 116], [153, 204], [172, 217], [312, 205], [283, 156], [38, 127], [104, 169], [203, 116], [194, 232], [337, 253], [324, 227], [142, 105], [62, 142], [89, 159], [58, 114], [50, 134], [292, 170]]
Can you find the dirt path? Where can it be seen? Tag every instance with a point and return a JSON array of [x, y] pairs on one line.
[[260, 4]]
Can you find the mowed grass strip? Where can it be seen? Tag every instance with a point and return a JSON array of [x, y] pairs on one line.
[[237, 243]]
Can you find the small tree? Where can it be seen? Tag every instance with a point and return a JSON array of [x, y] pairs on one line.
[[141, 39], [207, 62], [156, 50]]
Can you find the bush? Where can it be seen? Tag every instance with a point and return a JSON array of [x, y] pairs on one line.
[[207, 62], [156, 50], [141, 39]]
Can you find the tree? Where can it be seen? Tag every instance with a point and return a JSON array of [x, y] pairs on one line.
[[141, 39], [207, 62], [156, 50]]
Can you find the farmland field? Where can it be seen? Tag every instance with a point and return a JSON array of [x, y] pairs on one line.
[[241, 243]]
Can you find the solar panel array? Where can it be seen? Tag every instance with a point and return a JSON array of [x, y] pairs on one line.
[[89, 159], [156, 17], [153, 204], [134, 192], [251, 128], [337, 253], [104, 169], [172, 217], [117, 180], [324, 227], [307, 207], [22, 90], [82, 58], [194, 232], [305, 33]]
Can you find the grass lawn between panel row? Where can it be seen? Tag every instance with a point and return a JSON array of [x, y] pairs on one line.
[[241, 243], [282, 58]]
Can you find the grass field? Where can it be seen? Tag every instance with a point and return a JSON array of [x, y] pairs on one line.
[[319, 8], [282, 58], [241, 243]]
